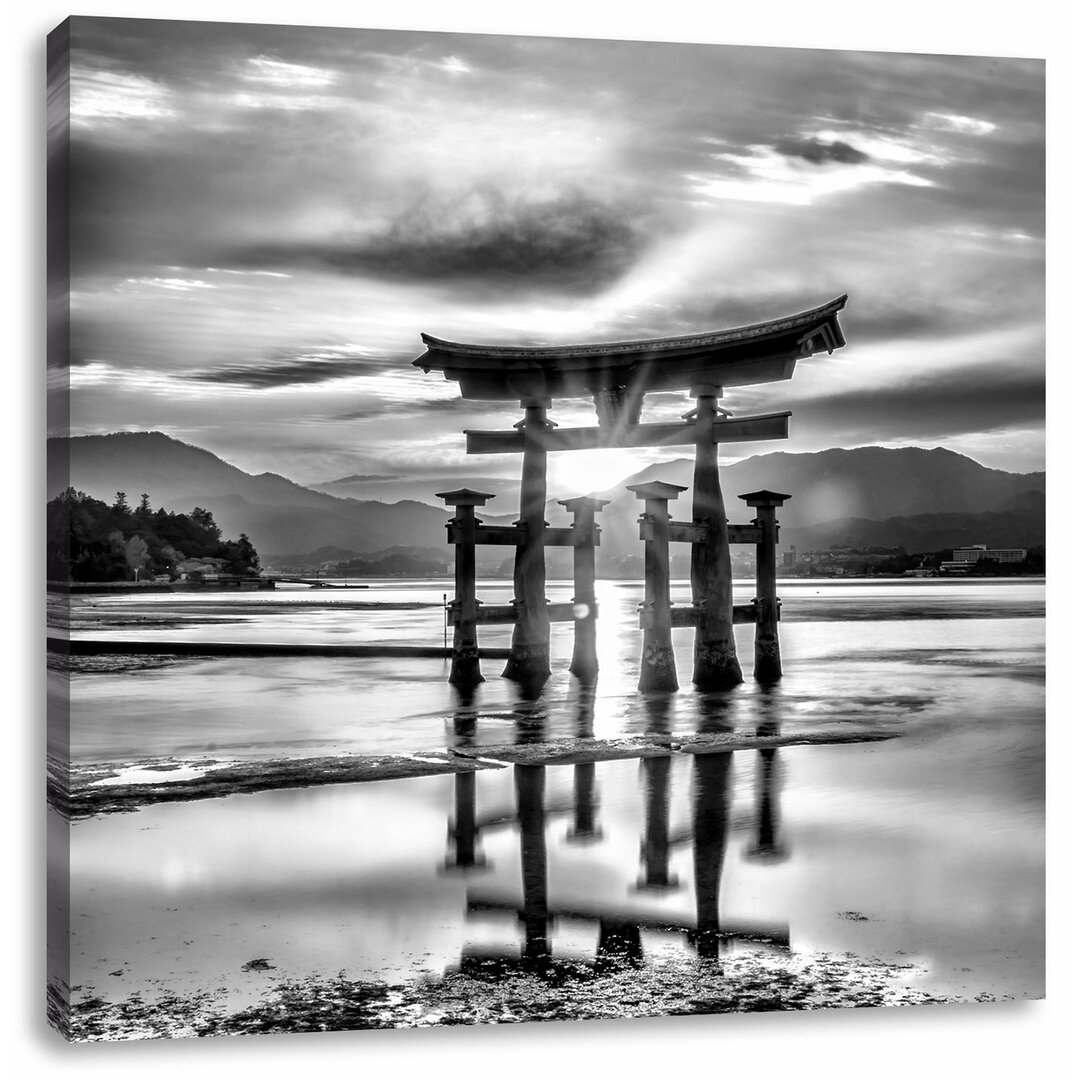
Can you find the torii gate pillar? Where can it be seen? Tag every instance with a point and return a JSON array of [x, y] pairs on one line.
[[529, 661], [767, 667], [584, 663], [657, 654], [465, 659], [716, 665]]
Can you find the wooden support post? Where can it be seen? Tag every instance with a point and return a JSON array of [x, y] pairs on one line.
[[657, 655], [529, 648], [465, 659], [716, 665], [767, 667], [584, 663]]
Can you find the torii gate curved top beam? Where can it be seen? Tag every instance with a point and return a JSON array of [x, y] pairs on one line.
[[741, 356]]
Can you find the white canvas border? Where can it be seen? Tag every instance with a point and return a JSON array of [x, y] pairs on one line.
[[989, 1041]]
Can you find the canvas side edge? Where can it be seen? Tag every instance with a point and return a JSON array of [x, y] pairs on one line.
[[58, 419]]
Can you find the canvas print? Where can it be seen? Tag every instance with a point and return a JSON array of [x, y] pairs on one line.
[[539, 529]]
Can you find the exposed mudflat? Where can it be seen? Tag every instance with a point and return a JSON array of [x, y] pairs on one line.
[[113, 663], [88, 790], [515, 991]]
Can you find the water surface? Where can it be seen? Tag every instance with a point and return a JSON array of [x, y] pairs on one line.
[[925, 850]]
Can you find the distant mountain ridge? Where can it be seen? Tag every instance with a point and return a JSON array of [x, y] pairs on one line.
[[871, 482], [922, 499], [276, 513]]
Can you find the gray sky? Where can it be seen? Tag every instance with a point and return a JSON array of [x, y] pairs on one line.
[[265, 218]]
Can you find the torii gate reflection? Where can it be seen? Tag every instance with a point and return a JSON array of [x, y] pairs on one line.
[[617, 376], [620, 926]]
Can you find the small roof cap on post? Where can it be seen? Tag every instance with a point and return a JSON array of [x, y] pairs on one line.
[[464, 497], [583, 502], [764, 498], [656, 489]]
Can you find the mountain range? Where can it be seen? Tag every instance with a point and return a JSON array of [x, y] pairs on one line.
[[924, 500]]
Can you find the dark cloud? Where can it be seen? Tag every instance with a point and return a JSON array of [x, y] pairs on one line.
[[819, 153], [301, 371], [416, 407], [571, 243], [949, 405]]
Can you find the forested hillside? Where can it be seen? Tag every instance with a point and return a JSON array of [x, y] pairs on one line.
[[89, 540]]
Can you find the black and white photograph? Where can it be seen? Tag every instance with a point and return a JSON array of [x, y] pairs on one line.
[[539, 529]]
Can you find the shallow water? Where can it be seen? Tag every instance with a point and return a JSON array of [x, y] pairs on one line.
[[857, 649], [925, 849]]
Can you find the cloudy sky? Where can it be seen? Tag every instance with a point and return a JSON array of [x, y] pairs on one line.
[[264, 219]]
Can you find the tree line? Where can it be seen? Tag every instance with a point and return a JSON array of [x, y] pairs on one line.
[[89, 540]]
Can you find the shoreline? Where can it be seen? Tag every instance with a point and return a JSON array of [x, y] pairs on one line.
[[514, 990]]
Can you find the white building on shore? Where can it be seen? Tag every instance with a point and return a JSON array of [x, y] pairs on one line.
[[965, 558]]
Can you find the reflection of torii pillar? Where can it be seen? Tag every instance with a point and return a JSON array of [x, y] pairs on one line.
[[618, 943], [463, 831], [767, 848], [656, 843], [585, 829], [529, 660], [529, 781], [710, 826]]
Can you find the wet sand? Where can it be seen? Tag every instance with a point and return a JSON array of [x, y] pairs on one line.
[[568, 992]]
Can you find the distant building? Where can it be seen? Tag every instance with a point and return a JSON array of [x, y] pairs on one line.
[[965, 558], [980, 551], [789, 557]]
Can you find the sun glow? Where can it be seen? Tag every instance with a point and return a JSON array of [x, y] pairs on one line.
[[590, 472]]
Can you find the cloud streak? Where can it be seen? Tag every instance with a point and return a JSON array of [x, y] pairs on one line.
[[300, 371]]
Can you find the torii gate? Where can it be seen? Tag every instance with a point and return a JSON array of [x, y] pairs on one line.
[[618, 375]]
